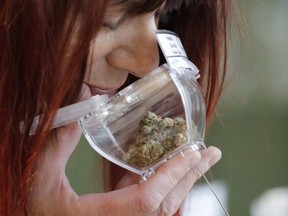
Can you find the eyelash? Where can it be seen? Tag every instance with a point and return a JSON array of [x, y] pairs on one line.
[[110, 26], [159, 16]]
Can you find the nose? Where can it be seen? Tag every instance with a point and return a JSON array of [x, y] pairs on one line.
[[136, 50]]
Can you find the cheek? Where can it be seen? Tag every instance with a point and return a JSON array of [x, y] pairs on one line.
[[99, 49], [100, 46], [96, 71]]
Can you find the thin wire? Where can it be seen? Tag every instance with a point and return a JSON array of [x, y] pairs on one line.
[[223, 207]]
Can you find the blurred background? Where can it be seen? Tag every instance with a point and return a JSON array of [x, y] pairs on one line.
[[251, 123]]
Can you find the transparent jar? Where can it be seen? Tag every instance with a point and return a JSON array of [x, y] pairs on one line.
[[148, 122]]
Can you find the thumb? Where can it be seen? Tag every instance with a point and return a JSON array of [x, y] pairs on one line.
[[63, 142]]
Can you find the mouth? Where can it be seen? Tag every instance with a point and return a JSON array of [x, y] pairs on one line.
[[101, 91]]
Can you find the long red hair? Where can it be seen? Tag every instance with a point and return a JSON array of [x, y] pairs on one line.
[[42, 67]]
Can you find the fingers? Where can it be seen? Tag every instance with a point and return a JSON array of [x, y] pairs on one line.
[[174, 199], [210, 157], [166, 178], [62, 146], [146, 197], [161, 194], [129, 179]]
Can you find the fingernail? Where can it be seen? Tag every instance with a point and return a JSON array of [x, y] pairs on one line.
[[191, 153], [216, 157]]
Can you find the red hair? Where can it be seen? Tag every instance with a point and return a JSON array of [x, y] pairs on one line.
[[42, 68]]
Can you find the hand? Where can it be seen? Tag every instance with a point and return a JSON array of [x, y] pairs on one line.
[[161, 194], [208, 158]]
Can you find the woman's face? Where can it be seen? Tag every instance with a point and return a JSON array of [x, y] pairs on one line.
[[124, 45]]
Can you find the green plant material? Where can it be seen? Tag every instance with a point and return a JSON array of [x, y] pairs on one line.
[[156, 138]]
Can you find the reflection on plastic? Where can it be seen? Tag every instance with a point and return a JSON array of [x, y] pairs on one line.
[[168, 94]]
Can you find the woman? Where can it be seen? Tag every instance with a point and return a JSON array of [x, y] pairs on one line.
[[54, 53]]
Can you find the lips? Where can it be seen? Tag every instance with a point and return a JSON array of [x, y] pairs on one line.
[[100, 91]]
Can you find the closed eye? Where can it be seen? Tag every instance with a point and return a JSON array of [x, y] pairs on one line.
[[111, 26], [114, 25]]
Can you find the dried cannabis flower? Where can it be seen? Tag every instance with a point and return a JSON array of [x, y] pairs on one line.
[[156, 137]]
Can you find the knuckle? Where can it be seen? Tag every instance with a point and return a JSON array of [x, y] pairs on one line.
[[192, 176], [189, 181], [148, 202], [172, 178], [169, 207], [195, 174]]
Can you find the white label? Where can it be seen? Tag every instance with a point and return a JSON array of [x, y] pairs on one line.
[[171, 45], [174, 52]]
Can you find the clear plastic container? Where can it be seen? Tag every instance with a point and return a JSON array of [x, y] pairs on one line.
[[163, 95]]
